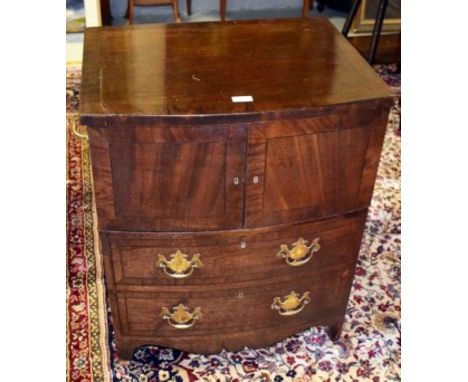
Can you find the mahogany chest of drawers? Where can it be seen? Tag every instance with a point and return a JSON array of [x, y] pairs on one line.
[[233, 165]]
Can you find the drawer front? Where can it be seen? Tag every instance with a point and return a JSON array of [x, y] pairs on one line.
[[227, 312], [223, 257]]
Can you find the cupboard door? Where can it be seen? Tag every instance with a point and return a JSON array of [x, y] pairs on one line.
[[312, 168], [169, 178]]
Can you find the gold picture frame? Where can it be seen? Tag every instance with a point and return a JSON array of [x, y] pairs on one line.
[[365, 18]]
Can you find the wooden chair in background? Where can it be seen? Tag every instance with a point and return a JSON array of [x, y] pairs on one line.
[[175, 7], [146, 3], [223, 4]]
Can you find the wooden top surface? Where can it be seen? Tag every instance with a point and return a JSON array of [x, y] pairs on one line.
[[191, 70]]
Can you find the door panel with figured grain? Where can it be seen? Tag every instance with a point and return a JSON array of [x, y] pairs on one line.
[[311, 168], [327, 165], [173, 178], [167, 175]]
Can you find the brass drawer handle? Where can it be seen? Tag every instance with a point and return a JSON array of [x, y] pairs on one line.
[[300, 254], [178, 266], [292, 303], [181, 318]]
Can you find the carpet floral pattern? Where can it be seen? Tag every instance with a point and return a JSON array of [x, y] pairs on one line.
[[368, 350]]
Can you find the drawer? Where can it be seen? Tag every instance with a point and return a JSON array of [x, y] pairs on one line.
[[230, 316], [222, 257]]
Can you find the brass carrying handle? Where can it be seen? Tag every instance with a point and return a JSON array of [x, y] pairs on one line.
[[181, 318], [300, 253], [292, 303], [178, 266], [75, 131]]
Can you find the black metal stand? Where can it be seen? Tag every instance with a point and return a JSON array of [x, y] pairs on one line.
[[377, 26]]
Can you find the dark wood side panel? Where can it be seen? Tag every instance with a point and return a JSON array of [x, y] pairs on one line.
[[371, 164], [102, 174], [311, 168], [169, 178]]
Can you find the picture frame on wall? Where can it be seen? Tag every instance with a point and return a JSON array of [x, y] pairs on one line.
[[365, 18], [76, 18], [82, 14]]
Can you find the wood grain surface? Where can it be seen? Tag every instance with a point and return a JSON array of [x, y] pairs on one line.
[[149, 73]]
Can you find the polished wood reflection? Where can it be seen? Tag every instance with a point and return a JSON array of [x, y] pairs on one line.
[[193, 69]]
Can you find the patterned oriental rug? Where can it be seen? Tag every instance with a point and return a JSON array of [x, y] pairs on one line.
[[369, 348]]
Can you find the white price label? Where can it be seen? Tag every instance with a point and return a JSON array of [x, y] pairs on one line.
[[245, 98]]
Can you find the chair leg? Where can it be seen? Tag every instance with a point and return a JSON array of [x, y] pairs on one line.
[[350, 17], [306, 8], [189, 7], [131, 8], [222, 9], [175, 8], [377, 30]]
